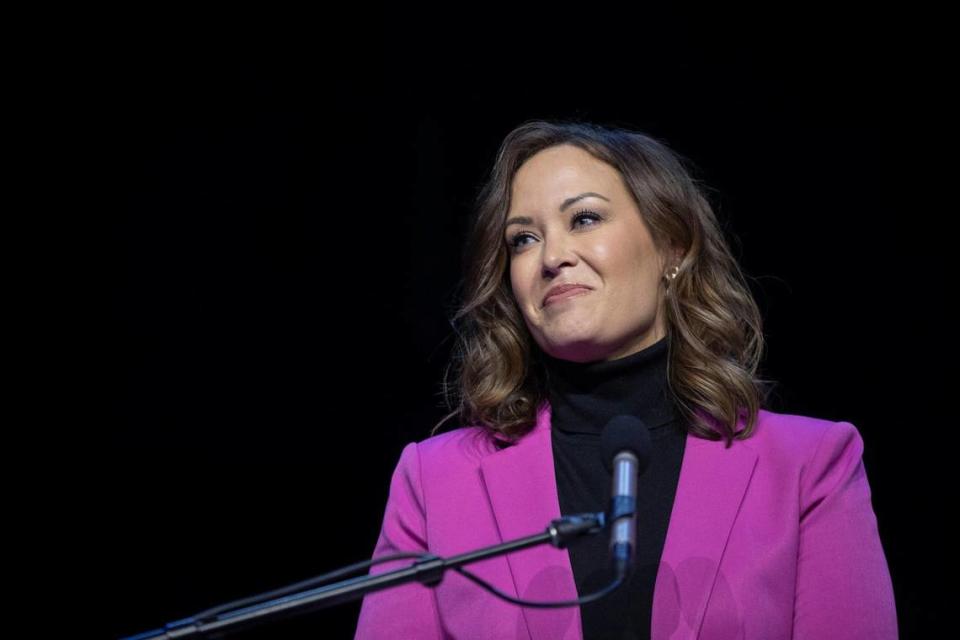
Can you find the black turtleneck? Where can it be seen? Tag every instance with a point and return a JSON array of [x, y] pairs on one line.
[[583, 398]]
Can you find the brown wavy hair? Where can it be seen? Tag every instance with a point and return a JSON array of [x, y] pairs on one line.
[[713, 324]]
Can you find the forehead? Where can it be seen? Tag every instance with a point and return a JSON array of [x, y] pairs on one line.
[[564, 170]]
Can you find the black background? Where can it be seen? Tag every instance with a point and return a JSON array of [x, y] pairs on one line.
[[294, 192]]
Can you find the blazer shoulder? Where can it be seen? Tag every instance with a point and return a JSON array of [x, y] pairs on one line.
[[797, 434], [466, 445]]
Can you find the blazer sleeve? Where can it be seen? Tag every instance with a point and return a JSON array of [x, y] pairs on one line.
[[409, 610], [843, 588]]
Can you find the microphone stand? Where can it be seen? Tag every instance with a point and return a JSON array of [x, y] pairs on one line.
[[428, 571]]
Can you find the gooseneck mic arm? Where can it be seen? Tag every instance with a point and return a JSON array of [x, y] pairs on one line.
[[428, 571]]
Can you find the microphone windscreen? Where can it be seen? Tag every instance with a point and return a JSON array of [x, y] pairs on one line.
[[628, 433]]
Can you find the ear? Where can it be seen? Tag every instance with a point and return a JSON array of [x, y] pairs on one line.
[[672, 256], [676, 254]]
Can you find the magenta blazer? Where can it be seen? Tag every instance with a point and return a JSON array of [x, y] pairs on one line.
[[773, 538]]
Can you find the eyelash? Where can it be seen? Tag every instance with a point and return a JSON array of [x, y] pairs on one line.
[[586, 213]]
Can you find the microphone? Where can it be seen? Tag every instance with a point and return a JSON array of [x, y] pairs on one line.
[[625, 444]]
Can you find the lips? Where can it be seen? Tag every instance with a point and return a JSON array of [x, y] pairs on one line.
[[564, 291]]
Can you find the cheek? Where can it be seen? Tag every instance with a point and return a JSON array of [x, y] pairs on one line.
[[632, 271], [620, 259]]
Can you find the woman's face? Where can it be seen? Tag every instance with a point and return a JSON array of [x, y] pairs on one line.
[[598, 241]]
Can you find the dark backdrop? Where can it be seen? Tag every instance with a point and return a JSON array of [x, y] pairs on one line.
[[296, 193]]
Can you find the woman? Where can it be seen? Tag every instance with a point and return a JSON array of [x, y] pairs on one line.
[[598, 283]]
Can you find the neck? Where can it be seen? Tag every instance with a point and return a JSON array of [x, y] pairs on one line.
[[585, 396]]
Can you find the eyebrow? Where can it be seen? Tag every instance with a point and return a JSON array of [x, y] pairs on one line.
[[566, 203]]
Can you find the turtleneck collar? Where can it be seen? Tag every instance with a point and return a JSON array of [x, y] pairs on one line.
[[585, 396]]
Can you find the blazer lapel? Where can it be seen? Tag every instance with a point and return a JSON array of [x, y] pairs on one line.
[[713, 481], [522, 486]]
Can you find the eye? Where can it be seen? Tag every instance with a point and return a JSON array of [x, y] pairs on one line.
[[585, 214], [590, 215]]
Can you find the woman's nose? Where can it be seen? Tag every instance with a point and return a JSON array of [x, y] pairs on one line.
[[556, 253]]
